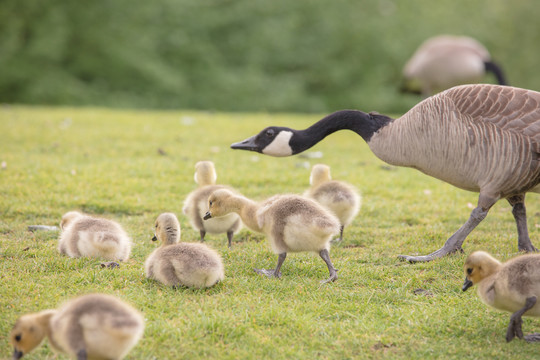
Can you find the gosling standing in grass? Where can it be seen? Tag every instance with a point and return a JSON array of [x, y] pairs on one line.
[[196, 203], [181, 264], [291, 223], [513, 286], [339, 197], [94, 326], [86, 236]]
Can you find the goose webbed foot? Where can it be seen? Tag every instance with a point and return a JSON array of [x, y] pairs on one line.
[[434, 255], [268, 272], [532, 337], [529, 248], [110, 265]]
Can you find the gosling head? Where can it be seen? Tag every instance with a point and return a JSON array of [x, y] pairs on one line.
[[216, 206], [273, 141], [319, 173], [167, 229], [28, 332], [68, 218], [205, 173], [478, 266]]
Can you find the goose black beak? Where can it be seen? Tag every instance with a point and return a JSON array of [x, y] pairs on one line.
[[154, 238], [248, 144], [467, 284], [207, 215], [17, 354]]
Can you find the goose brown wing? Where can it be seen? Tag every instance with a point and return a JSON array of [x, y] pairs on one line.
[[507, 107]]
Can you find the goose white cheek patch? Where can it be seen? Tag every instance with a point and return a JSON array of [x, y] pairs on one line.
[[280, 146]]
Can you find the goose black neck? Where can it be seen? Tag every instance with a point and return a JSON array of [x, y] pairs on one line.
[[497, 71], [362, 123]]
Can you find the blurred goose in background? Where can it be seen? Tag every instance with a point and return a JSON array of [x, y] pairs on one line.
[[338, 196], [513, 286], [291, 223], [94, 326], [482, 138], [196, 204], [444, 61]]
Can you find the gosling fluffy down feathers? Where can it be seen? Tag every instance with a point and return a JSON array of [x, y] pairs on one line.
[[181, 264], [339, 197], [86, 236], [94, 326], [513, 286], [196, 204]]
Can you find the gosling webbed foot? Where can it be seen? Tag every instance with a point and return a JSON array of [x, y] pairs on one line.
[[514, 328], [442, 252], [532, 337], [110, 265], [268, 272], [333, 277]]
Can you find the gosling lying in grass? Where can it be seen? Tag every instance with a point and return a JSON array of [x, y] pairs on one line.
[[181, 264], [513, 286], [196, 203], [291, 223], [338, 196], [94, 326], [86, 236]]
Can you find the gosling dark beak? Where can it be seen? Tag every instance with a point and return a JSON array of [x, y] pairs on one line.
[[248, 144], [17, 354], [154, 238], [207, 215], [467, 284]]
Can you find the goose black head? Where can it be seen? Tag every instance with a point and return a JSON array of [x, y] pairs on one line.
[[273, 141]]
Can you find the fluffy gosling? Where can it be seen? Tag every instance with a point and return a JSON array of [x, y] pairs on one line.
[[338, 196], [196, 203], [94, 326], [181, 264], [86, 236], [291, 223], [513, 286]]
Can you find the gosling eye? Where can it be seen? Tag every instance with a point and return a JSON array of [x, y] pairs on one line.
[[469, 271], [18, 337], [270, 132], [210, 203]]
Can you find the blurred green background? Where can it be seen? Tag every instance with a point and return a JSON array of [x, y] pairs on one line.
[[245, 55]]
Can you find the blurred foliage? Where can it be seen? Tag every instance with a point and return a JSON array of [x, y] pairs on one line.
[[244, 55]]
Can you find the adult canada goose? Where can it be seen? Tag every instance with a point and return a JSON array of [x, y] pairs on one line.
[[291, 223], [513, 286], [197, 201], [86, 236], [181, 264], [338, 196], [94, 326], [444, 61], [483, 138]]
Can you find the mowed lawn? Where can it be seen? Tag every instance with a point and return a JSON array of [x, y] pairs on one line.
[[131, 166]]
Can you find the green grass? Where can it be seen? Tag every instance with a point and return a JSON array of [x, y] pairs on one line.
[[107, 163]]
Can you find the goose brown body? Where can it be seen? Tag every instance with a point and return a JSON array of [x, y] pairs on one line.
[[94, 326], [481, 137]]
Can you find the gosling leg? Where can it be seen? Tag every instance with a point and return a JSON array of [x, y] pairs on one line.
[[340, 234], [520, 215], [514, 327], [273, 272], [331, 269], [81, 355], [229, 237], [202, 233]]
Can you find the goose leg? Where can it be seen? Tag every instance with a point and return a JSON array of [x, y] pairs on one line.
[[331, 269], [229, 237], [275, 272], [455, 241], [520, 215], [514, 327], [202, 233]]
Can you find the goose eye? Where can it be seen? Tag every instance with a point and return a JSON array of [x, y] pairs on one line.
[[270, 132], [469, 271], [18, 337]]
